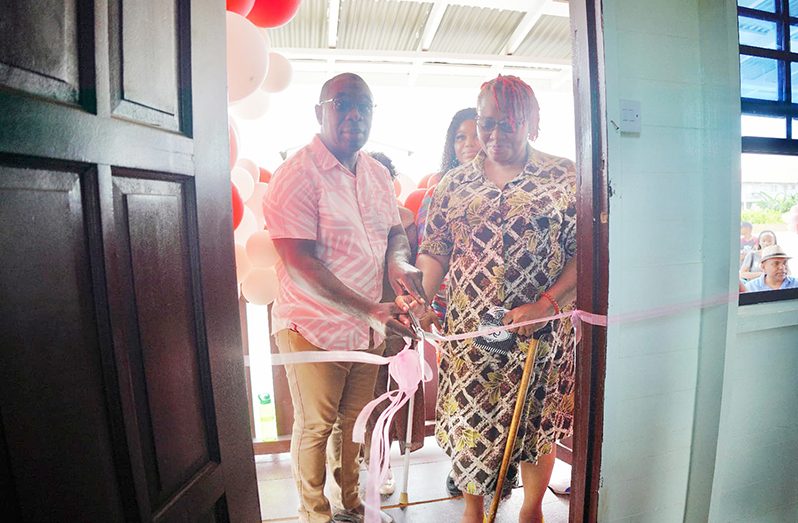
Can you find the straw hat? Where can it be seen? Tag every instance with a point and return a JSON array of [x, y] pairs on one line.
[[772, 251]]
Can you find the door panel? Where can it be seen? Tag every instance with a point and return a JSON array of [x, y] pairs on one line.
[[171, 407], [146, 58], [122, 381], [51, 372], [39, 54]]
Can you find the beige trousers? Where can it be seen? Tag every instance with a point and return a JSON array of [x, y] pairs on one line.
[[327, 397]]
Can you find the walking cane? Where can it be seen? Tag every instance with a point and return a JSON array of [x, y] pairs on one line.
[[403, 499], [529, 364]]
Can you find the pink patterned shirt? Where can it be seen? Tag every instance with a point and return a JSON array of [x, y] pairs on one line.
[[313, 197]]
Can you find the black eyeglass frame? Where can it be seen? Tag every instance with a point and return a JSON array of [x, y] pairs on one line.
[[344, 106], [489, 124]]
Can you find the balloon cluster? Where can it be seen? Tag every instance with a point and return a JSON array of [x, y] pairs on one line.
[[253, 71]]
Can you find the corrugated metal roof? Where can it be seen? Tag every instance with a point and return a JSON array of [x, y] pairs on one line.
[[549, 38], [307, 30], [382, 33], [476, 30], [385, 25]]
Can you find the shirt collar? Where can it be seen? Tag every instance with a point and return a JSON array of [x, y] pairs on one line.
[[326, 160], [476, 167]]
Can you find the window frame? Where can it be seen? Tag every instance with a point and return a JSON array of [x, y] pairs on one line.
[[784, 108]]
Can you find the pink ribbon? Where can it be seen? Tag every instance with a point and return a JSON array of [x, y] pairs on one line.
[[406, 370]]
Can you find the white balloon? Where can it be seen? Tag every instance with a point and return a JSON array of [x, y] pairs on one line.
[[247, 227], [243, 265], [261, 285], [243, 182], [250, 166], [252, 107], [255, 203], [247, 57], [261, 251], [279, 75]]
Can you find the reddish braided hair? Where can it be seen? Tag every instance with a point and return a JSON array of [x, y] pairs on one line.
[[513, 97]]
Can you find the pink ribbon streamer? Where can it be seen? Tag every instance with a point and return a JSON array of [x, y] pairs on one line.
[[405, 369]]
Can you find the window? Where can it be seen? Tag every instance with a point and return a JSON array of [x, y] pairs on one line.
[[768, 31]]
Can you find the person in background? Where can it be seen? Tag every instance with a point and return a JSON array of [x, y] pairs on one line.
[[504, 228], [747, 241], [332, 214], [393, 345], [460, 147], [775, 271], [749, 268]]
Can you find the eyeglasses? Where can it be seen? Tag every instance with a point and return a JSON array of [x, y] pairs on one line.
[[489, 124], [343, 105]]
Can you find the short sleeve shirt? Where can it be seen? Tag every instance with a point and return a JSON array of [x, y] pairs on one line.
[[758, 284], [312, 196], [505, 245]]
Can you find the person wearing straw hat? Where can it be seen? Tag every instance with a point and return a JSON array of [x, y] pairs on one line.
[[773, 261], [504, 227]]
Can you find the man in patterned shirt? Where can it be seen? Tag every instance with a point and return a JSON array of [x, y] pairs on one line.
[[332, 214]]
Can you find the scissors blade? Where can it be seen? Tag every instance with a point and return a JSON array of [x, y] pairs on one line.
[[415, 324]]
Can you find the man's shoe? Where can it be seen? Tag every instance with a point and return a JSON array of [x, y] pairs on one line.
[[451, 487], [357, 516]]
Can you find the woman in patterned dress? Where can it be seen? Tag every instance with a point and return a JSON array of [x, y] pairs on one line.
[[504, 227]]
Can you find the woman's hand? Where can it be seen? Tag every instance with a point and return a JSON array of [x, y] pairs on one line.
[[426, 316], [526, 312]]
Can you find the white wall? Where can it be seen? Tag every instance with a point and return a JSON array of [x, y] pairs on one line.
[[670, 244], [700, 422]]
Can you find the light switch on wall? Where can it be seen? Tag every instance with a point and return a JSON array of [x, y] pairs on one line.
[[630, 116]]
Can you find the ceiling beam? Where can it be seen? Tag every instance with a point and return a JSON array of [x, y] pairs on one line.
[[409, 57], [535, 11], [433, 23], [333, 10]]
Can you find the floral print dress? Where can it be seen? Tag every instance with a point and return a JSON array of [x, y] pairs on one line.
[[505, 247]]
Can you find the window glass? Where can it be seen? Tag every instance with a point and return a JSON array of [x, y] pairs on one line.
[[757, 33], [794, 84], [794, 8], [769, 202], [759, 78], [762, 5], [763, 126]]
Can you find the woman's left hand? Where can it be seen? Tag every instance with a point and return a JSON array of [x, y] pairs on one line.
[[526, 312]]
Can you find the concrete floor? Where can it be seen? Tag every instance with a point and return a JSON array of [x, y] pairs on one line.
[[429, 501]]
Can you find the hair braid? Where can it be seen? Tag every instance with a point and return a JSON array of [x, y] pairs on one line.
[[513, 97]]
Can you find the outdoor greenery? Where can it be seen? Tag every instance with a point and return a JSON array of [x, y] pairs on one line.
[[761, 217], [769, 208]]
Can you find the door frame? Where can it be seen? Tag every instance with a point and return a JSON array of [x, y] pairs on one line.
[[593, 259]]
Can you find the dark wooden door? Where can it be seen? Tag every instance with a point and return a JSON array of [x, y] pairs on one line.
[[122, 394]]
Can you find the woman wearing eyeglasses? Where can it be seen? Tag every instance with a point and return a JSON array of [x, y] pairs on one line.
[[503, 227]]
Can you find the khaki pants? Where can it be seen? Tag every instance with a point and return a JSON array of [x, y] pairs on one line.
[[327, 397]]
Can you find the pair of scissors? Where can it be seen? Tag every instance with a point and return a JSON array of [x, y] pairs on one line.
[[415, 324]]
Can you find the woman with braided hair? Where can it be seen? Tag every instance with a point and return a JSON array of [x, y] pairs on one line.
[[504, 228]]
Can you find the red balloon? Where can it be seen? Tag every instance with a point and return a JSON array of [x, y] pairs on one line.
[[238, 207], [273, 13], [242, 7], [422, 184], [413, 201], [265, 175]]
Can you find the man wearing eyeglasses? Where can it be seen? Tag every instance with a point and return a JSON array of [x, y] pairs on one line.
[[332, 214]]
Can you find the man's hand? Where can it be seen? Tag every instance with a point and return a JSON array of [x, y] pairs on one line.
[[426, 316], [382, 317], [526, 312], [405, 278]]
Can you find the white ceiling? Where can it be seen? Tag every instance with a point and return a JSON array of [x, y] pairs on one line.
[[430, 43]]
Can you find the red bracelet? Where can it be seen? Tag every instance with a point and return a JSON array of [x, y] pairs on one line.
[[545, 294]]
